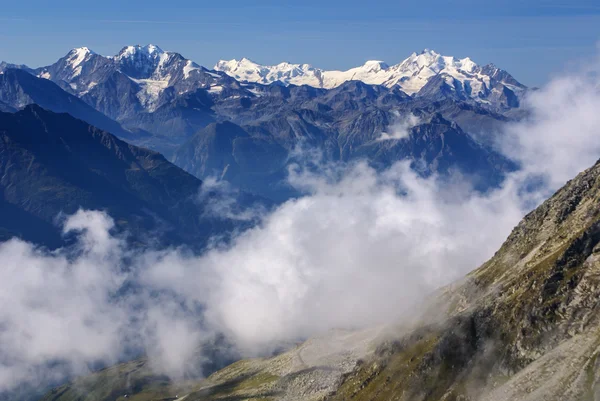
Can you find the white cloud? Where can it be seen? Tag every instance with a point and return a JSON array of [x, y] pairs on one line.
[[54, 307], [358, 251], [400, 128], [559, 138], [220, 199]]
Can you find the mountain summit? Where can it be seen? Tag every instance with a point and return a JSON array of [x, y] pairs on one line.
[[138, 74]]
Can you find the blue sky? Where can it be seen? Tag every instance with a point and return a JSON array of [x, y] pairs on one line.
[[531, 39]]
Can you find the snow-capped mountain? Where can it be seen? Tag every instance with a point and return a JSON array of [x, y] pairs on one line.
[[163, 101], [146, 75], [142, 79], [463, 76]]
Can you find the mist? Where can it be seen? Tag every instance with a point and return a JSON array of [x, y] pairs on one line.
[[400, 128], [359, 249]]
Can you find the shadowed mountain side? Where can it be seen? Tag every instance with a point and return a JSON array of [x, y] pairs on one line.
[[19, 88], [226, 151], [253, 159], [53, 163]]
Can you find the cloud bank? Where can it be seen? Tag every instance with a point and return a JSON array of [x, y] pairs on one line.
[[359, 249]]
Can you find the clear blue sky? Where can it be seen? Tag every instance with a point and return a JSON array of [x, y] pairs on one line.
[[532, 39]]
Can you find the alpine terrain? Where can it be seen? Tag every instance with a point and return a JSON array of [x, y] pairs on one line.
[[485, 84], [216, 183]]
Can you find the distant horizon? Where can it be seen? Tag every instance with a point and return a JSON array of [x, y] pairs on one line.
[[249, 58], [211, 66]]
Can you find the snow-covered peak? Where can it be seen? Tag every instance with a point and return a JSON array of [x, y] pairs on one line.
[[75, 59], [245, 60], [424, 58], [233, 65], [189, 67], [435, 62], [247, 70], [145, 62], [416, 70], [80, 53], [152, 49], [152, 69], [463, 76]]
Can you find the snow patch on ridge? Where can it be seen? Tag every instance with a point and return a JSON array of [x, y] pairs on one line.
[[189, 67], [215, 89]]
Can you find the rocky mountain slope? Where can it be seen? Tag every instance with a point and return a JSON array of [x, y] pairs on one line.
[[414, 75], [53, 163], [523, 326]]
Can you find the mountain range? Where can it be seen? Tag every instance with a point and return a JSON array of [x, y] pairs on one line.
[[135, 135], [162, 101], [484, 84]]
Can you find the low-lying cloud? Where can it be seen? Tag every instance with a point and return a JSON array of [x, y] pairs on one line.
[[400, 128], [355, 252], [359, 249]]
